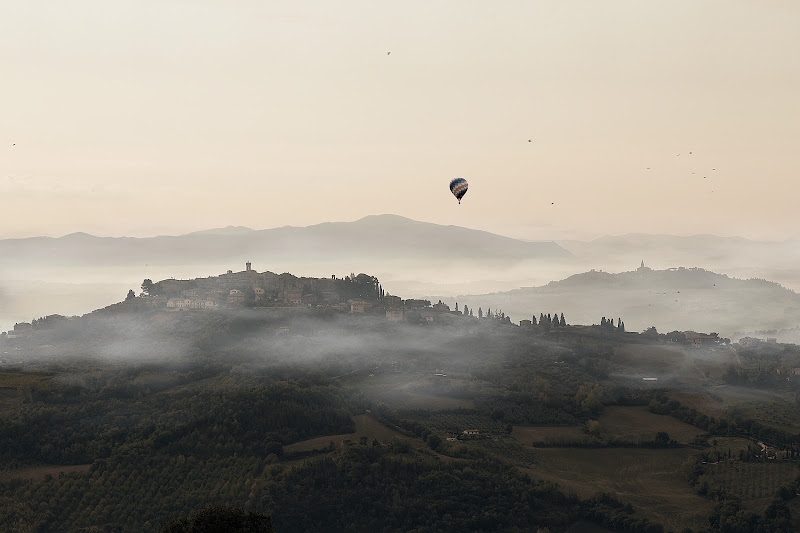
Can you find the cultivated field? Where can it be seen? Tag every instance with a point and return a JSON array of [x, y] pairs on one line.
[[703, 402], [638, 424], [648, 359], [38, 473], [649, 479], [12, 385], [366, 426], [755, 483], [771, 408], [402, 391], [549, 435], [416, 400]]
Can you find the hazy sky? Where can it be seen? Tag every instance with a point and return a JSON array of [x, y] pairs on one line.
[[162, 117]]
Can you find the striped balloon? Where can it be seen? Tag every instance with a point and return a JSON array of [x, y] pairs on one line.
[[459, 188]]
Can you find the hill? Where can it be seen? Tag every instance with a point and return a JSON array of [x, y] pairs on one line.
[[744, 258], [672, 299]]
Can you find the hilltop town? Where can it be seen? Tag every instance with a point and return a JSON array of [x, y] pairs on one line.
[[354, 294]]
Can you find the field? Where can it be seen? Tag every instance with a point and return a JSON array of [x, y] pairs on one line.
[[549, 435], [703, 402], [12, 385], [635, 424], [649, 360], [450, 423], [771, 408], [402, 391], [755, 483], [651, 480], [38, 473], [416, 400], [366, 426]]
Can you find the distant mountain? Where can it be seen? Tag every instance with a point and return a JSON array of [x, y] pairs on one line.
[[227, 230], [388, 237], [678, 298]]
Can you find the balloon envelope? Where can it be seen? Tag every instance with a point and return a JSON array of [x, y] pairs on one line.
[[459, 188]]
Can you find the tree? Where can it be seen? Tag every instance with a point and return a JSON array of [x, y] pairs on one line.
[[147, 287], [219, 519], [480, 312], [131, 295], [563, 322], [466, 311], [533, 321]]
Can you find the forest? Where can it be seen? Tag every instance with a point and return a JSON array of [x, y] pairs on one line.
[[313, 421]]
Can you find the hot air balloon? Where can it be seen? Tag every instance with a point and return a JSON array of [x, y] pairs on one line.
[[459, 188]]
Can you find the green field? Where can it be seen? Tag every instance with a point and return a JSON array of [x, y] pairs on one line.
[[777, 409], [12, 385], [366, 426], [638, 424], [549, 435], [38, 473], [703, 402], [651, 480]]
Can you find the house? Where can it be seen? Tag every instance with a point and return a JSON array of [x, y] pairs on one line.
[[749, 341], [358, 305], [235, 296], [179, 303], [392, 301], [698, 339], [394, 315], [471, 433], [525, 323], [292, 296]]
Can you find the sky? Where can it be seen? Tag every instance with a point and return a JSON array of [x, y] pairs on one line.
[[569, 119]]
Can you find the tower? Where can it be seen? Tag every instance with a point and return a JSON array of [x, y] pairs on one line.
[[248, 266]]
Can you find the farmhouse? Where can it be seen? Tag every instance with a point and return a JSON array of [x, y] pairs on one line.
[[357, 305], [698, 339], [394, 315]]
